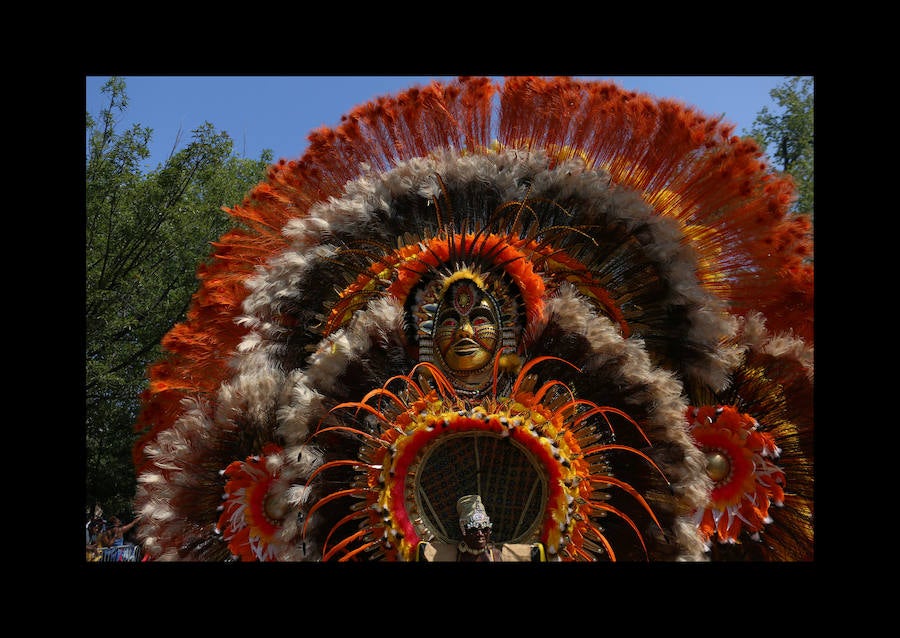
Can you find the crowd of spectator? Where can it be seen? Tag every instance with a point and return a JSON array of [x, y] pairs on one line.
[[110, 540]]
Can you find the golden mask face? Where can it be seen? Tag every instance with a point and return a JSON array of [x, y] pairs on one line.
[[467, 328]]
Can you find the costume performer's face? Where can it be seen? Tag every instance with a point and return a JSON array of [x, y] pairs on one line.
[[467, 328], [477, 537]]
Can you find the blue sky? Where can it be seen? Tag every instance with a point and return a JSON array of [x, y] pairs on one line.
[[278, 112]]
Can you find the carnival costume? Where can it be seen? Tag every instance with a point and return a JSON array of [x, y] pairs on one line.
[[588, 306]]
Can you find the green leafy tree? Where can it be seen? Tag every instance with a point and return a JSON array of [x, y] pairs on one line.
[[788, 135], [145, 235]]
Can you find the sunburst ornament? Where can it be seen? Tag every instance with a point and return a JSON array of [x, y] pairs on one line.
[[741, 463], [252, 513], [566, 440]]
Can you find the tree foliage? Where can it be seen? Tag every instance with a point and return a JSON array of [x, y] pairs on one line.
[[145, 235], [788, 136]]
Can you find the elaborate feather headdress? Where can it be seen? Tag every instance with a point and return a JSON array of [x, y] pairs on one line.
[[629, 265]]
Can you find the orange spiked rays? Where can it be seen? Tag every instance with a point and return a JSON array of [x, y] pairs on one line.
[[391, 511]]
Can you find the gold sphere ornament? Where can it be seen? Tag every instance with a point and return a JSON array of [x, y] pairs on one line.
[[718, 466]]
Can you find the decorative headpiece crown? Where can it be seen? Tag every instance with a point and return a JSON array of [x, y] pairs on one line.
[[471, 512]]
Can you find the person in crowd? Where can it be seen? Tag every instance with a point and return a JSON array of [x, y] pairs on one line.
[[119, 530], [94, 541]]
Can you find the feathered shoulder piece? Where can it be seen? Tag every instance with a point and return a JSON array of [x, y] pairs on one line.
[[586, 305]]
